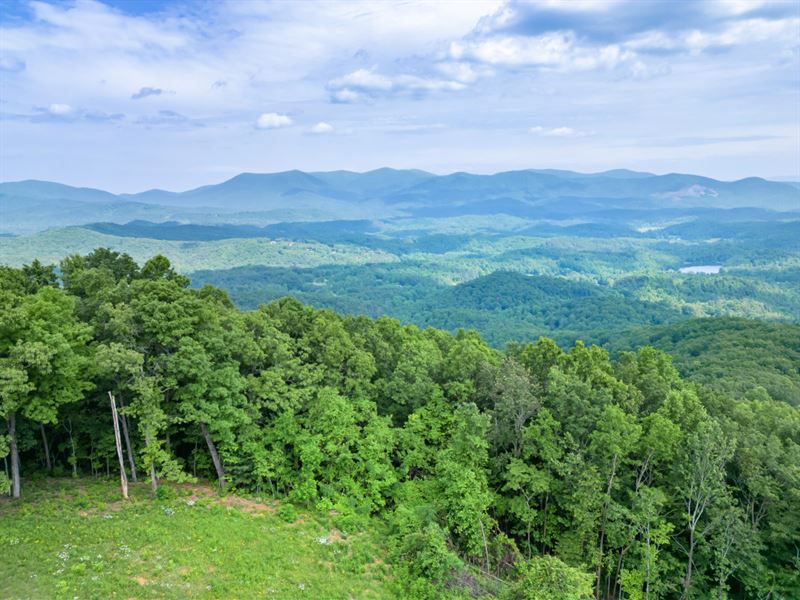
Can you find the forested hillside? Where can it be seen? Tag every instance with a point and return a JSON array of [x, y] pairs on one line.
[[515, 255], [739, 357], [531, 473]]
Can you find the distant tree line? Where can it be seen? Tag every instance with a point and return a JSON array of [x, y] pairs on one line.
[[531, 473]]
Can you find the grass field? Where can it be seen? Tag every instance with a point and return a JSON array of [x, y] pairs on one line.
[[76, 539]]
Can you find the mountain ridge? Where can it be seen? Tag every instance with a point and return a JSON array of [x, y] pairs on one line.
[[388, 193]]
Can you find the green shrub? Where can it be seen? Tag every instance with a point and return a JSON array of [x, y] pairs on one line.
[[547, 577], [164, 492], [287, 512], [425, 561]]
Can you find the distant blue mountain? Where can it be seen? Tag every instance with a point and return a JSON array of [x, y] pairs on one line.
[[48, 190], [414, 189], [386, 193]]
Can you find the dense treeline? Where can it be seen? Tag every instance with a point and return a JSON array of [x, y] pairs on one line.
[[511, 305], [738, 357], [534, 473]]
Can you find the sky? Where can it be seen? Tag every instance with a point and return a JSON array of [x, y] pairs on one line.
[[127, 95]]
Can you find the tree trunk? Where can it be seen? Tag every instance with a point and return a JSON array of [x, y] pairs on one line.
[[214, 455], [46, 449], [485, 546], [544, 528], [687, 581], [603, 527], [153, 480], [615, 580], [128, 442], [647, 565], [123, 479], [12, 432], [528, 526], [72, 445]]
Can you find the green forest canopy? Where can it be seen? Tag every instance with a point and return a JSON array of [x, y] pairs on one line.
[[530, 473]]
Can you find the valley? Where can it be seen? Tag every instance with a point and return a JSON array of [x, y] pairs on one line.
[[514, 255]]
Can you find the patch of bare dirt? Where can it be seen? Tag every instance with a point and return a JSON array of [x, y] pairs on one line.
[[335, 535], [246, 505], [197, 491]]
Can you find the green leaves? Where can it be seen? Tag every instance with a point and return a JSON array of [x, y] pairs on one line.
[[547, 577], [657, 485], [44, 354]]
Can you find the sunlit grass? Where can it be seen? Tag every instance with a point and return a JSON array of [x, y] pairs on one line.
[[77, 539]]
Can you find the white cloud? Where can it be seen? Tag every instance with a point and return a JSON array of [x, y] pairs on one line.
[[59, 109], [557, 50], [90, 24], [462, 72], [555, 131], [480, 71], [735, 33], [365, 79], [364, 83], [321, 128], [541, 50], [273, 121], [345, 96]]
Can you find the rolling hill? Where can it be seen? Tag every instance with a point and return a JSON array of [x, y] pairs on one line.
[[731, 355]]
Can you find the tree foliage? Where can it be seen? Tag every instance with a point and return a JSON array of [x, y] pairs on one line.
[[532, 473]]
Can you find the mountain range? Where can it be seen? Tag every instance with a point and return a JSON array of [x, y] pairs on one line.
[[262, 198]]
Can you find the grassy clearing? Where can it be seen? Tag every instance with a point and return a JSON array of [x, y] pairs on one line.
[[76, 539]]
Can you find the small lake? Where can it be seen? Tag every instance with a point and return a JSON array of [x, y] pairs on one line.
[[705, 269]]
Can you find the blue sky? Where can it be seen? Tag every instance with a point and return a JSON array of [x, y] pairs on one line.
[[129, 95]]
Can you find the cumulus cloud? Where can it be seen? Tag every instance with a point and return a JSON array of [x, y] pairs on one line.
[[475, 70], [571, 35], [557, 50], [321, 128], [462, 72], [145, 92], [365, 79], [367, 83], [547, 50], [615, 21], [273, 121]]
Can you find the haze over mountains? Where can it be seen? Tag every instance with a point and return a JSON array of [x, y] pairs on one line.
[[29, 206]]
